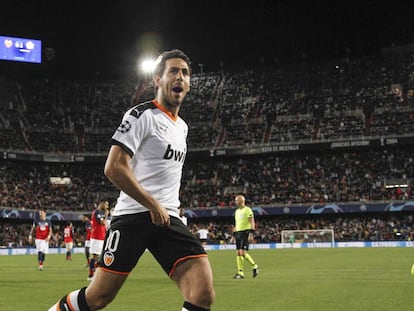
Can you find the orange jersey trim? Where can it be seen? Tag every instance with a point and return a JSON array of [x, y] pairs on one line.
[[114, 272], [71, 307], [162, 108], [184, 259]]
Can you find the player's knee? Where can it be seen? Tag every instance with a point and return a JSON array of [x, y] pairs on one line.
[[99, 300], [210, 296], [200, 294], [206, 296]]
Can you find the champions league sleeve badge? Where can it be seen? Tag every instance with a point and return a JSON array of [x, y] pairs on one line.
[[124, 127]]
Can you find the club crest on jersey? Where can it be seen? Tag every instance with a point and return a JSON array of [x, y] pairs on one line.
[[175, 155], [108, 258], [124, 127]]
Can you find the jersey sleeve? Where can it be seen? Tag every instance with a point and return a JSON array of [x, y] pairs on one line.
[[135, 126], [250, 214], [98, 215]]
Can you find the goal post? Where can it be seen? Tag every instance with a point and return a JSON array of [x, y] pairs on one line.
[[308, 236]]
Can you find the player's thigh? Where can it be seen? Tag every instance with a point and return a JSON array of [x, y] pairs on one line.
[[105, 285], [194, 275], [126, 241], [174, 245]]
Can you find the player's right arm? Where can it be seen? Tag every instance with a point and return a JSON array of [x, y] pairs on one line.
[[102, 221], [31, 233], [252, 226], [49, 236], [119, 172]]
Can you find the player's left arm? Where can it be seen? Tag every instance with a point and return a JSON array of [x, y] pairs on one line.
[[120, 173], [49, 236], [104, 217], [252, 222], [252, 226], [31, 232]]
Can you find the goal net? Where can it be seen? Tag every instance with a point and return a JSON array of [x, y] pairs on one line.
[[308, 236]]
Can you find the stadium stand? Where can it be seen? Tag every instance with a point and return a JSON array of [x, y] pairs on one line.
[[332, 131]]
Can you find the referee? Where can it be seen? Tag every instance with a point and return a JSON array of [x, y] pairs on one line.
[[243, 232]]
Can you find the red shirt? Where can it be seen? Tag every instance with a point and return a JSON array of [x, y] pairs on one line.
[[98, 229], [42, 228], [68, 234]]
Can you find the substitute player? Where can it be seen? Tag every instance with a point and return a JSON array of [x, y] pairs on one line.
[[88, 229], [244, 226], [99, 220], [43, 233]]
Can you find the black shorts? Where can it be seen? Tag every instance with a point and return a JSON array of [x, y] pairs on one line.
[[130, 235], [242, 239]]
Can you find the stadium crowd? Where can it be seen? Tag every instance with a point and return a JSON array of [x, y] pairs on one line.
[[352, 176], [309, 102], [346, 98], [301, 103]]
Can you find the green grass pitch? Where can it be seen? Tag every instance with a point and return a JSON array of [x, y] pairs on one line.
[[289, 280]]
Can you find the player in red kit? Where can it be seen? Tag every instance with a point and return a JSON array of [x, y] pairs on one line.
[[99, 218], [43, 232], [68, 233]]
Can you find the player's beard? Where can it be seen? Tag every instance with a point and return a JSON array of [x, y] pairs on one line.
[[173, 104], [172, 100]]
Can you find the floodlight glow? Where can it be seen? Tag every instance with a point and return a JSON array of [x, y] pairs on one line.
[[148, 65]]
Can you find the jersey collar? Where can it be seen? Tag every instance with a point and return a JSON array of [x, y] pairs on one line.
[[163, 109]]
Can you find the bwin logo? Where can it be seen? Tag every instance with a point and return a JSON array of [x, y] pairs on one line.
[[174, 154]]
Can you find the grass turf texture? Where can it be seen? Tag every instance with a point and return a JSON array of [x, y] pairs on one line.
[[290, 279]]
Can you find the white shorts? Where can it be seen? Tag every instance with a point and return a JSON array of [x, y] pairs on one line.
[[69, 246], [42, 246], [87, 243], [96, 246]]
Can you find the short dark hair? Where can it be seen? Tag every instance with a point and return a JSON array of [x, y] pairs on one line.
[[103, 201], [164, 56]]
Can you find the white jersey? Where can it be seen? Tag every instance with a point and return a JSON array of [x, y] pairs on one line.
[[184, 220], [157, 144], [202, 234]]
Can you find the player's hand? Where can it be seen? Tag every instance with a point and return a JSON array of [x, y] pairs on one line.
[[160, 217], [251, 238]]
